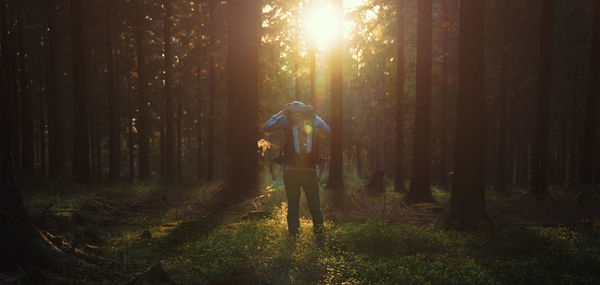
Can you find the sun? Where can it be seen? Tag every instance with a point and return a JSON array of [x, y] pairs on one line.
[[322, 24]]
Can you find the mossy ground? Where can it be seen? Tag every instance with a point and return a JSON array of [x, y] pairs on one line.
[[368, 239]]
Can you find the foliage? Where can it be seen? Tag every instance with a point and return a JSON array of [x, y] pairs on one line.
[[384, 253]]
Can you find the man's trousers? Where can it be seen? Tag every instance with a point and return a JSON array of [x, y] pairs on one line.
[[307, 180]]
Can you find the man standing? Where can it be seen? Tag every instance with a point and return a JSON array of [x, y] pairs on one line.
[[299, 157]]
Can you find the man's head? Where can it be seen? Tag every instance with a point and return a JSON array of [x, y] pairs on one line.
[[299, 111]]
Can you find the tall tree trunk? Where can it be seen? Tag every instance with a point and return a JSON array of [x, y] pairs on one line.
[[27, 159], [91, 65], [444, 146], [539, 181], [42, 130], [524, 145], [296, 62], [399, 175], [573, 143], [114, 133], [212, 95], [81, 155], [23, 244], [142, 122], [200, 171], [9, 87], [7, 108], [130, 112], [562, 169], [586, 164], [313, 80], [56, 133], [358, 159], [336, 165], [242, 132], [421, 169], [501, 179], [467, 203], [179, 142], [168, 101]]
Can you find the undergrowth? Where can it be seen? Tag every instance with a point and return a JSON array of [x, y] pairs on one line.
[[368, 238], [375, 252]]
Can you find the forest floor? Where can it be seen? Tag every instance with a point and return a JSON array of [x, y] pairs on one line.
[[118, 233]]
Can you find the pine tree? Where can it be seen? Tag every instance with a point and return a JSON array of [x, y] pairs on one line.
[[467, 202], [421, 165]]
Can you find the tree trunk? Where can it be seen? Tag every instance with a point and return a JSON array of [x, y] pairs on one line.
[[242, 132], [9, 86], [27, 159], [179, 142], [22, 242], [586, 164], [313, 80], [336, 165], [114, 134], [142, 122], [467, 202], [296, 62], [524, 145], [539, 181], [421, 169], [168, 101], [42, 130], [130, 112], [212, 95], [93, 127], [501, 179], [200, 171], [56, 133], [81, 155], [444, 146], [399, 175]]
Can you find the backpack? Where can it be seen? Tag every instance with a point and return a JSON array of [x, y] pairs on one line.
[[288, 155]]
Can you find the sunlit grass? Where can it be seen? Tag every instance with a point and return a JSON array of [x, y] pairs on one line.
[[382, 253], [372, 239]]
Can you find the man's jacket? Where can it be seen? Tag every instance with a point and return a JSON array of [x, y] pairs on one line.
[[303, 136]]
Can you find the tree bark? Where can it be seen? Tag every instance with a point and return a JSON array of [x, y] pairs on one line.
[[467, 202], [142, 123], [501, 178], [296, 62], [56, 133], [81, 156], [421, 164], [130, 112], [42, 131], [336, 164], [200, 170], [114, 133], [444, 145], [539, 181], [589, 147], [179, 142], [399, 175], [313, 80], [212, 95], [168, 101], [242, 125], [27, 159]]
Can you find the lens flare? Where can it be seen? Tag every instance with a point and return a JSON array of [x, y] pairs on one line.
[[322, 24]]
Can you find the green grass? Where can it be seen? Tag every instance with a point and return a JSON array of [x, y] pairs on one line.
[[369, 239], [383, 253]]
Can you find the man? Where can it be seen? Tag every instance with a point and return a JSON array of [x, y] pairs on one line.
[[299, 157]]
